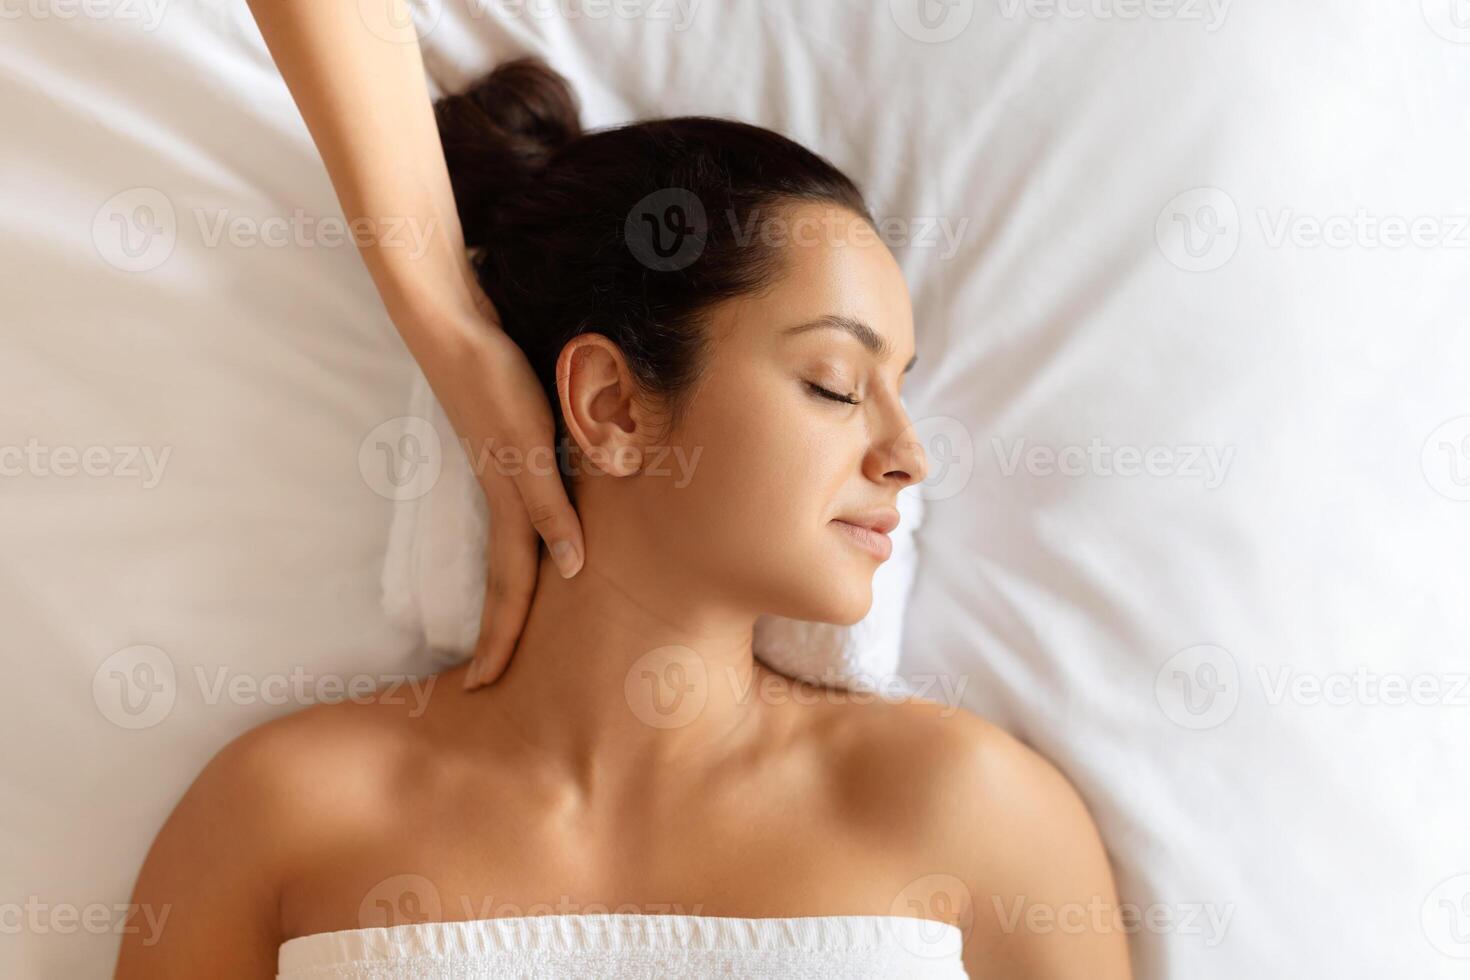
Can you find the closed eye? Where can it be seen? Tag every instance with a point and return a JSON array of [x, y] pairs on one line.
[[834, 396]]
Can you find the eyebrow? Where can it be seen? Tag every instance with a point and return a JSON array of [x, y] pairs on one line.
[[871, 339]]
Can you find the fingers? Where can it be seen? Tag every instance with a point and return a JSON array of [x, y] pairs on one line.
[[530, 432], [553, 517], [510, 585], [530, 508]]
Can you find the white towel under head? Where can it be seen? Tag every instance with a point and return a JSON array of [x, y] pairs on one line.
[[434, 575], [617, 946]]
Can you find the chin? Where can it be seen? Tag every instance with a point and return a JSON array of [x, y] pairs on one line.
[[849, 616], [844, 598]]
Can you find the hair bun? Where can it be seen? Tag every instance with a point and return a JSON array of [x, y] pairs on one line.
[[499, 134]]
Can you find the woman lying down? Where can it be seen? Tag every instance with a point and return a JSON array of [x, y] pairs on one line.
[[636, 795]]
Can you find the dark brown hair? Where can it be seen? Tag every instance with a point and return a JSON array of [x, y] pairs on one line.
[[633, 232]]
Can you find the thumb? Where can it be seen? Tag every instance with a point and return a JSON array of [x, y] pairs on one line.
[[553, 517]]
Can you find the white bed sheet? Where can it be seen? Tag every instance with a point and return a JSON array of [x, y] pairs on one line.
[[1270, 832]]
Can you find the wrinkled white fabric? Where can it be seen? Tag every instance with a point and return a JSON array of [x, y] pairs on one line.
[[634, 947], [1032, 161]]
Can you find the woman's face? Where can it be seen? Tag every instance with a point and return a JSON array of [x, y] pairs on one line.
[[796, 425]]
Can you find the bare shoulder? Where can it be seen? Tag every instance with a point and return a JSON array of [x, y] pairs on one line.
[[324, 756], [326, 770], [926, 746], [209, 890], [978, 767], [279, 777], [1002, 842]]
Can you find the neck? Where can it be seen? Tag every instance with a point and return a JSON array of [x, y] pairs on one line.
[[629, 665]]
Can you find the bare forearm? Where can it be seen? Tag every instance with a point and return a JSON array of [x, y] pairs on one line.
[[361, 89], [362, 92]]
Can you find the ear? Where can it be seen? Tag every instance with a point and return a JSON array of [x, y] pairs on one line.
[[606, 418]]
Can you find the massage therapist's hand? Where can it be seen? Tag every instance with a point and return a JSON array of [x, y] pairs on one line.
[[360, 85], [499, 409]]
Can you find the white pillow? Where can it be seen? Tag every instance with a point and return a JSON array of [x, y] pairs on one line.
[[434, 571], [1189, 284]]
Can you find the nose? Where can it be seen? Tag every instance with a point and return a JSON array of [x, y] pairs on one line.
[[899, 457]]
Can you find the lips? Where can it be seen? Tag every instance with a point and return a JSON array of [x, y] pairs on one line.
[[881, 520], [869, 530]]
